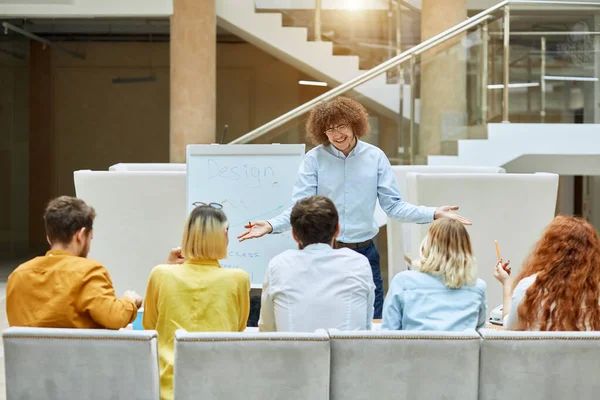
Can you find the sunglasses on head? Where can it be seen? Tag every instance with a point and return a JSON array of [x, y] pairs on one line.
[[217, 206]]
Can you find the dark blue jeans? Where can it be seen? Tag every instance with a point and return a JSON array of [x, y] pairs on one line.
[[370, 251]]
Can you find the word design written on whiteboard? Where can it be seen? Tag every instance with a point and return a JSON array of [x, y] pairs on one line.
[[240, 172]]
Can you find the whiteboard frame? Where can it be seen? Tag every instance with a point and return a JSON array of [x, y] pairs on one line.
[[239, 150], [244, 150]]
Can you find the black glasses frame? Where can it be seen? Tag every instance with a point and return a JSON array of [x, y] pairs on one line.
[[342, 128], [217, 206]]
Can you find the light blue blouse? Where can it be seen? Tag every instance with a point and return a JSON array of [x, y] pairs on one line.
[[419, 301]]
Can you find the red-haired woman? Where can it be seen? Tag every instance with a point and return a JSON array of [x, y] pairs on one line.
[[354, 175], [558, 288]]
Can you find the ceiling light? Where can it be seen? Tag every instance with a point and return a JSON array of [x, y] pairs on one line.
[[571, 78], [312, 83], [515, 85]]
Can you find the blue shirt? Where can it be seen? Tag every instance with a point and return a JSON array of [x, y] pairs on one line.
[[354, 184], [419, 301]]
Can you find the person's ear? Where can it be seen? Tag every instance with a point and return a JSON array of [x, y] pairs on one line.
[[337, 231], [48, 240], [296, 237], [81, 235]]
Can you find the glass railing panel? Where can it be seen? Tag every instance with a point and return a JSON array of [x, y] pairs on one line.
[[491, 70], [554, 66], [451, 100]]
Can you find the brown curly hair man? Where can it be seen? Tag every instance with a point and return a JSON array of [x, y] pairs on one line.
[[354, 175]]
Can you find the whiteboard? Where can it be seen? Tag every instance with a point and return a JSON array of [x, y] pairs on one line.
[[252, 182]]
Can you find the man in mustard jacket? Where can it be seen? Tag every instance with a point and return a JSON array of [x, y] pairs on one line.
[[64, 289]]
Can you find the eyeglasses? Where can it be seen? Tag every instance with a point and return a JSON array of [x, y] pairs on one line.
[[343, 128], [217, 206]]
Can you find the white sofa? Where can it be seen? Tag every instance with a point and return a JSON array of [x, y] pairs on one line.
[[404, 365], [539, 365], [75, 364], [398, 234], [246, 366], [78, 364], [140, 217], [510, 208]]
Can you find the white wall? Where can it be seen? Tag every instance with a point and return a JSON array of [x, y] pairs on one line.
[[85, 8]]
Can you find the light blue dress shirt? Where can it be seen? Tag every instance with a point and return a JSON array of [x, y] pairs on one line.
[[354, 184], [418, 301]]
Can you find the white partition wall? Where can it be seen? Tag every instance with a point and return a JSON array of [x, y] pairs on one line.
[[148, 167], [510, 208], [398, 234], [140, 217]]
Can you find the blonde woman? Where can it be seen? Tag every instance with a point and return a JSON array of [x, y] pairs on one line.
[[444, 294], [197, 295]]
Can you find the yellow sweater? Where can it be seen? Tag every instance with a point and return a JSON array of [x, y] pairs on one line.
[[61, 290], [198, 296]]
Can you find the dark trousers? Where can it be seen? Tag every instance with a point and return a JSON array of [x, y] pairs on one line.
[[370, 251]]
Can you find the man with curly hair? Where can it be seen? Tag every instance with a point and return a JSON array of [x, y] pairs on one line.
[[354, 175]]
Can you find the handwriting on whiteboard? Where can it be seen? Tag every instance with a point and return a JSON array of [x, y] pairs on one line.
[[239, 172], [243, 254]]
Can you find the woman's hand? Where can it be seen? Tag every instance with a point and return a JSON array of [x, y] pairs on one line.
[[502, 272], [448, 212], [175, 256], [255, 230], [133, 296]]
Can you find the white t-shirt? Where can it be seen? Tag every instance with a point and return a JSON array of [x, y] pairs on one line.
[[317, 288], [511, 320]]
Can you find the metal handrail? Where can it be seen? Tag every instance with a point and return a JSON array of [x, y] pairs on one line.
[[395, 62]]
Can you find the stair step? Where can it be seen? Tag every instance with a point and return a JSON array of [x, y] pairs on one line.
[[263, 24], [296, 33], [325, 47]]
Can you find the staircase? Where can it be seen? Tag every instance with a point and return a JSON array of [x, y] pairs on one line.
[[559, 147], [290, 44]]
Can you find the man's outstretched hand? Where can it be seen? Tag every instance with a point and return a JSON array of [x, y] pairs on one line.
[[448, 212], [255, 230]]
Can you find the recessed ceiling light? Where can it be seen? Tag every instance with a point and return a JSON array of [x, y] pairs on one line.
[[312, 83]]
